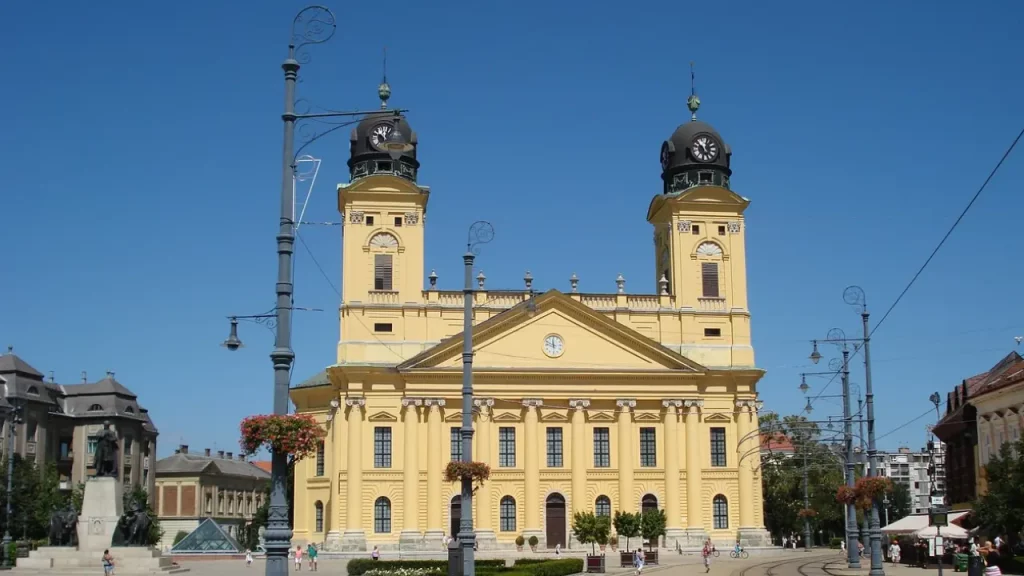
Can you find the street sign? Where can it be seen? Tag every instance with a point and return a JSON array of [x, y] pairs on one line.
[[938, 500], [938, 516]]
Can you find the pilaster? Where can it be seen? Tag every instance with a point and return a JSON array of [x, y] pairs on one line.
[[354, 537], [531, 453], [749, 448], [579, 459], [695, 530], [674, 533], [626, 500], [484, 508], [411, 536], [435, 528]]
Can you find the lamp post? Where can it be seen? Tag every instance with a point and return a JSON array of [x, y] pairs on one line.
[[480, 232], [15, 413], [312, 25]]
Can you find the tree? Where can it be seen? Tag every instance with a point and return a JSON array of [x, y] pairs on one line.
[[584, 526], [899, 502], [1001, 509], [627, 524], [652, 526], [181, 535]]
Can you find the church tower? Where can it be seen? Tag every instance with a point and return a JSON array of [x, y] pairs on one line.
[[700, 255]]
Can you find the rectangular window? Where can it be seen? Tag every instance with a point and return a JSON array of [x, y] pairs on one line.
[[602, 448], [507, 447], [721, 230], [382, 447], [695, 229], [30, 433], [718, 446], [712, 332], [398, 221], [554, 447], [92, 445], [382, 272], [648, 448], [456, 441], [320, 458], [369, 220], [709, 279], [127, 446], [382, 327]]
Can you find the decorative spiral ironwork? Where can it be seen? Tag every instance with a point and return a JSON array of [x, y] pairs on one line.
[[312, 25], [481, 232], [835, 364], [837, 336], [854, 296]]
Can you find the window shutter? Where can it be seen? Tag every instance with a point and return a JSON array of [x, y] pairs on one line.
[[709, 278], [382, 272]]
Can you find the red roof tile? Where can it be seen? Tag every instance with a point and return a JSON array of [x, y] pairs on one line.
[[262, 464]]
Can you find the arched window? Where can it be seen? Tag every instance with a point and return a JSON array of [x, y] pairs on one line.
[[507, 513], [382, 516], [33, 390], [384, 246], [129, 410], [648, 502], [319, 507], [320, 458], [95, 408], [603, 506], [709, 255], [720, 511]]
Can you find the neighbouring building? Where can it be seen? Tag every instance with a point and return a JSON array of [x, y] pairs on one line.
[[60, 423], [973, 430], [914, 470], [776, 444], [628, 399], [192, 487]]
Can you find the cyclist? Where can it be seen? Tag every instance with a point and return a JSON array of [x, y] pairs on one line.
[[737, 549]]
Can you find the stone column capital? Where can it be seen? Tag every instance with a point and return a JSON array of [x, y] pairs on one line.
[[412, 402], [483, 403], [579, 404], [626, 404], [672, 403], [533, 402], [694, 404], [355, 403], [434, 403]]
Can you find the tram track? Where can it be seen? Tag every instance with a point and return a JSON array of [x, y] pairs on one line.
[[770, 567]]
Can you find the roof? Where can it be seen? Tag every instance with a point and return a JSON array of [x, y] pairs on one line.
[[207, 538], [318, 379], [777, 442], [914, 522], [187, 463], [264, 465], [979, 384], [1009, 375], [11, 363]]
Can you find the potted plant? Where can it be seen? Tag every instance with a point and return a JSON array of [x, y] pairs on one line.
[[533, 543], [652, 527], [295, 434], [626, 524], [519, 542], [602, 542], [846, 495], [807, 513], [872, 487], [584, 527], [613, 541]]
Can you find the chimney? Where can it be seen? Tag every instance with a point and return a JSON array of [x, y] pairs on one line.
[[110, 374], [183, 448], [229, 456], [207, 452], [220, 454], [85, 378], [52, 378]]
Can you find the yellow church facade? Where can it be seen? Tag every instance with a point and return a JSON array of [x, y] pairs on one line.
[[583, 401]]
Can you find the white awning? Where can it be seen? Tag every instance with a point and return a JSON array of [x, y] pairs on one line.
[[914, 522], [952, 531]]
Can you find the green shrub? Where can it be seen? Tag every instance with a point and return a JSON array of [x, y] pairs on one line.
[[564, 567], [835, 543], [533, 541], [520, 540], [179, 537], [529, 561], [359, 566]]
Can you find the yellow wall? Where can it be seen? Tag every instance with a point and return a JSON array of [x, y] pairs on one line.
[[629, 361], [1000, 420]]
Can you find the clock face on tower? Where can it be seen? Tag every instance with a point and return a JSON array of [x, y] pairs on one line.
[[553, 345], [379, 135], [666, 156], [704, 148]]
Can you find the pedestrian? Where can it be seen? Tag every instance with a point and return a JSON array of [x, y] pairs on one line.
[[842, 545], [311, 553], [638, 561], [248, 557], [706, 553], [375, 554], [785, 542], [298, 558], [108, 563], [558, 549]]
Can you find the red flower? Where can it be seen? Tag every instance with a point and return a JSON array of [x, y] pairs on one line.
[[295, 434]]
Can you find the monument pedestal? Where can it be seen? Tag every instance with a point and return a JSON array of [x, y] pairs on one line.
[[102, 506]]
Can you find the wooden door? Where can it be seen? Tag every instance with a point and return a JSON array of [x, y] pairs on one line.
[[456, 515], [555, 520]]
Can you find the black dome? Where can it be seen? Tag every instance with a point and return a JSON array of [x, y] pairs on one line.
[[695, 154], [365, 159]]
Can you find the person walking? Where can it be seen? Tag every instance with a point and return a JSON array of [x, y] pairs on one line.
[[311, 553], [108, 563], [248, 557], [638, 561], [375, 554], [298, 558], [706, 553]]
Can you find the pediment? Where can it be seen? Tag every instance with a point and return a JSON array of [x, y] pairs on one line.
[[553, 417], [382, 417], [506, 417], [646, 417], [453, 417], [585, 340], [717, 417], [600, 417]]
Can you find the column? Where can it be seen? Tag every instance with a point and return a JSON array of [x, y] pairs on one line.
[[435, 527], [332, 521], [695, 533], [579, 457], [626, 502], [531, 468], [410, 475], [354, 537], [744, 463], [673, 530], [483, 507]]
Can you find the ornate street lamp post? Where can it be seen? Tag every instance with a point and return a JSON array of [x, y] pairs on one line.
[[15, 413]]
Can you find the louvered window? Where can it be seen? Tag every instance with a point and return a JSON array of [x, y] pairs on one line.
[[709, 279], [382, 272]]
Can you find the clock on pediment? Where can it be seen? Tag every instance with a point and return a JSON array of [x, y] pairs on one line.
[[553, 345]]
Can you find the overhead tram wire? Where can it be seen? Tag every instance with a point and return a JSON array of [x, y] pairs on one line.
[[949, 232]]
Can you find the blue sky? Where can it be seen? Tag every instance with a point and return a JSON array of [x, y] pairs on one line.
[[140, 162]]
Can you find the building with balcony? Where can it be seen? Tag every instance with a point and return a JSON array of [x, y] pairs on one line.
[[630, 399], [921, 472], [60, 423], [191, 487]]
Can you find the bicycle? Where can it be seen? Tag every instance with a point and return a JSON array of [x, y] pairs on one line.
[[714, 552], [741, 554]]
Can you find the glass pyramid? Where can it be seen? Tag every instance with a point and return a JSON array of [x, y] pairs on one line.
[[207, 538]]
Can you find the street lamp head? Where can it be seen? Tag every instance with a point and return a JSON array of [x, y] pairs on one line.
[[815, 355], [808, 408], [935, 398], [803, 384], [395, 143], [232, 342]]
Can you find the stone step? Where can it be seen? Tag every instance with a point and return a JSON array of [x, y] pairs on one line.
[[97, 570]]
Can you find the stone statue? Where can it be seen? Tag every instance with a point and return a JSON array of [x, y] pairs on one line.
[[63, 526], [105, 459], [133, 527]]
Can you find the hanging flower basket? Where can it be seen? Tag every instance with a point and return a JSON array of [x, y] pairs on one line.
[[863, 503], [295, 434], [456, 470], [807, 513], [846, 495], [872, 487]]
